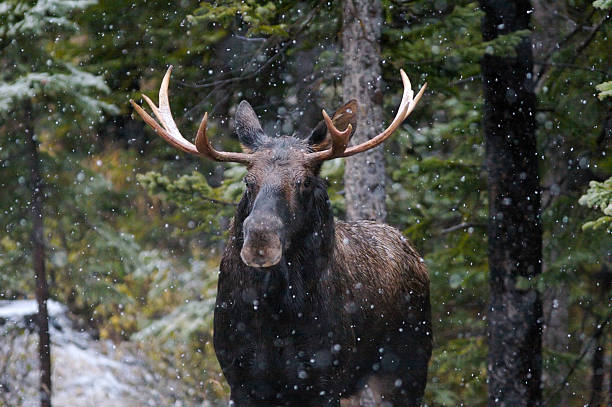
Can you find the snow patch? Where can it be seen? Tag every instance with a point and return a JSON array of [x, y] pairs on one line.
[[86, 371], [20, 309]]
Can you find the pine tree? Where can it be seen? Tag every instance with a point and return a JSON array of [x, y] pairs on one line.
[[36, 85]]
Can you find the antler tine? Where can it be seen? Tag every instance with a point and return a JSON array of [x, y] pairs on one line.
[[181, 144], [339, 138], [415, 100], [203, 144], [170, 132], [406, 107]]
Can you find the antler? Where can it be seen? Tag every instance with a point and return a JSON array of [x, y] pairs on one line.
[[340, 138], [169, 132]]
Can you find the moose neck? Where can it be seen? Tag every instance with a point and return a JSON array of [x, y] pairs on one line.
[[304, 260]]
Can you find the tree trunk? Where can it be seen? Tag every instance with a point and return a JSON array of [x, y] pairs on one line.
[[364, 174], [514, 228], [38, 246], [556, 313], [555, 331], [610, 384], [597, 365], [556, 296]]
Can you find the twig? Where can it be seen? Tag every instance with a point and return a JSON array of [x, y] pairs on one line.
[[253, 74], [560, 44], [573, 66], [578, 51], [469, 79], [587, 347], [244, 77], [219, 201], [588, 40], [247, 39], [463, 226]]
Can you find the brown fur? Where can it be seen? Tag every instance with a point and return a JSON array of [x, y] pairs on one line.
[[376, 246]]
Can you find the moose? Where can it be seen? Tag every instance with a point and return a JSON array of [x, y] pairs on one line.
[[311, 310]]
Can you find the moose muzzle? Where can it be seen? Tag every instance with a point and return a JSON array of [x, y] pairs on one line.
[[262, 245]]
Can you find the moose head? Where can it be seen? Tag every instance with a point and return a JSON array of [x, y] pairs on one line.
[[282, 183]]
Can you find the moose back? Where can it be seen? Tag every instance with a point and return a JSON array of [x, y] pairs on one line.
[[310, 309]]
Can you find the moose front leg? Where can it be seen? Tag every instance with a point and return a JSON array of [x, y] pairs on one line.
[[316, 402], [241, 398]]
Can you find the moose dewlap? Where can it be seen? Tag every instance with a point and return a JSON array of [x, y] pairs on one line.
[[311, 309]]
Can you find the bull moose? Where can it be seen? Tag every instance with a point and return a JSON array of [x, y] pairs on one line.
[[309, 309]]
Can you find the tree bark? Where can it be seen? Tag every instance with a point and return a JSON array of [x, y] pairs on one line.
[[610, 385], [514, 229], [364, 174], [597, 365], [555, 331], [556, 297], [556, 315], [38, 259]]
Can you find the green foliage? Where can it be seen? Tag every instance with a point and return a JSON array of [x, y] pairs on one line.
[[37, 17], [603, 4], [605, 90], [459, 373], [181, 339], [599, 196], [36, 70], [261, 16], [75, 83], [207, 208]]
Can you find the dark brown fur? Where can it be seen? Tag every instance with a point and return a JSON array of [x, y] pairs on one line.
[[347, 302]]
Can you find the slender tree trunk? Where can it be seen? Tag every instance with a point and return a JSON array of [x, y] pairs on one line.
[[38, 245], [556, 296], [364, 174], [555, 331], [597, 364], [515, 233], [556, 315], [610, 384]]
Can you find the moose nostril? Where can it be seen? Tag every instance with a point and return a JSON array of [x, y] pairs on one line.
[[262, 224], [261, 249]]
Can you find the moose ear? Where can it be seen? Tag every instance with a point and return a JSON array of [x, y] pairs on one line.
[[247, 127], [320, 139]]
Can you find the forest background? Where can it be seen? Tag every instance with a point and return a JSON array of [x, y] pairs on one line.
[[133, 229]]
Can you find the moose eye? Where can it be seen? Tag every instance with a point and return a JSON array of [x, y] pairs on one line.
[[249, 183], [303, 183]]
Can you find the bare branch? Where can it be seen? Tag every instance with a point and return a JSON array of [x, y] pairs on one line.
[[463, 225]]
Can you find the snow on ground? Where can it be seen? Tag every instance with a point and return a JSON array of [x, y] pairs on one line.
[[20, 308], [86, 372]]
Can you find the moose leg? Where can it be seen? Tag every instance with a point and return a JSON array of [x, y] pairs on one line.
[[242, 398], [318, 402], [404, 390]]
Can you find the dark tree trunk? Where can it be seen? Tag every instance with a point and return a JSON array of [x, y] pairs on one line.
[[364, 174], [515, 233], [38, 246]]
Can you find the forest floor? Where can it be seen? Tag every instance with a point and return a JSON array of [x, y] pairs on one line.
[[86, 372]]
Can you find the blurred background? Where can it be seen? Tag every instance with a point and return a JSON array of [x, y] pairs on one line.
[[132, 230]]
